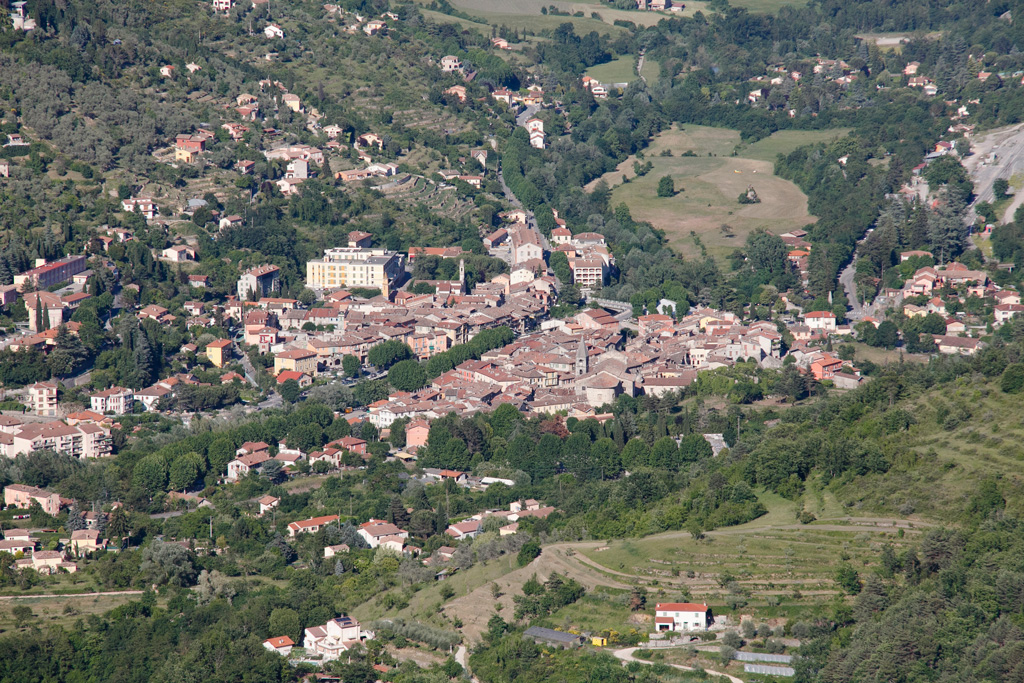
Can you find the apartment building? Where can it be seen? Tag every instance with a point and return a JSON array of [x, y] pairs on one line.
[[81, 441], [262, 280], [42, 398], [46, 275], [354, 267], [117, 400]]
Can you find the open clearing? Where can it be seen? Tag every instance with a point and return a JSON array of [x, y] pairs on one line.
[[616, 71], [764, 6], [50, 610], [712, 181]]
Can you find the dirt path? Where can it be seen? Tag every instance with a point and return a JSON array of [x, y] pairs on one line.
[[626, 655], [68, 595]]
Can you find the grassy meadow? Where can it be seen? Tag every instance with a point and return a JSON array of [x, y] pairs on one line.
[[708, 185]]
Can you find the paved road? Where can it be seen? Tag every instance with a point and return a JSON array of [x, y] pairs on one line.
[[846, 280], [640, 67], [526, 114], [999, 154], [626, 655]]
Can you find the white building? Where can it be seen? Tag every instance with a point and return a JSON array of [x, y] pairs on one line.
[[117, 400], [682, 616], [354, 267], [823, 321], [334, 638], [43, 398], [375, 531]]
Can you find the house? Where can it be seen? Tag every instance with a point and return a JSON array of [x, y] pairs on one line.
[[179, 253], [292, 101], [351, 443], [282, 645], [334, 638], [374, 26], [953, 346], [267, 503], [310, 526], [458, 90], [167, 71], [273, 31], [450, 63], [116, 400], [150, 396], [469, 529], [332, 550], [682, 616], [86, 541], [547, 636], [47, 562], [822, 321], [5, 168], [537, 140], [245, 167], [147, 207], [222, 5], [198, 280], [43, 398], [302, 379], [825, 367], [1004, 312], [243, 465], [22, 496], [375, 531]]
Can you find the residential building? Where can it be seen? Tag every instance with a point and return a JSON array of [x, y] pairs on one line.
[[218, 352], [80, 441], [179, 253], [682, 616], [49, 305], [260, 281], [334, 638], [282, 645], [147, 207], [310, 526], [355, 267], [43, 398], [22, 496], [86, 541], [244, 464], [450, 63], [117, 400], [375, 531], [471, 528], [821, 321], [46, 275], [297, 360], [267, 503]]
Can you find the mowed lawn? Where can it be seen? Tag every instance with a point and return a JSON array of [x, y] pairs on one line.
[[711, 182], [616, 71]]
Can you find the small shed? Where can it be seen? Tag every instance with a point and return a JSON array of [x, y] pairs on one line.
[[547, 636]]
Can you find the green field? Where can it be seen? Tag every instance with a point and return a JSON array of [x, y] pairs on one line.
[[765, 6], [711, 182], [62, 610], [651, 71], [515, 15], [768, 559], [616, 71]]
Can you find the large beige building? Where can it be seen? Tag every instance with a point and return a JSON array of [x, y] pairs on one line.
[[354, 267]]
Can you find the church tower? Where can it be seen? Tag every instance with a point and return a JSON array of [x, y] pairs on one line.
[[581, 358]]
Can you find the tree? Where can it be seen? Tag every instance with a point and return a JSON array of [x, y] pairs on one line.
[[848, 578], [407, 375], [285, 622], [350, 364], [527, 554], [22, 615], [184, 471], [1000, 188], [306, 437], [666, 187], [290, 390], [637, 600], [150, 474], [887, 335], [388, 353], [1012, 381], [167, 563]]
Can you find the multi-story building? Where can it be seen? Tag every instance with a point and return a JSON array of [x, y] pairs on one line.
[[81, 441], [43, 398], [334, 638], [217, 352], [298, 360], [117, 400], [354, 267], [262, 280], [46, 275], [22, 496], [682, 616]]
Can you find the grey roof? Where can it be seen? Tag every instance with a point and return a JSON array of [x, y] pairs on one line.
[[769, 670], [551, 634], [762, 657]]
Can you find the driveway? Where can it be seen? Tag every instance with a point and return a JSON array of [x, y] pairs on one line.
[[626, 655]]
